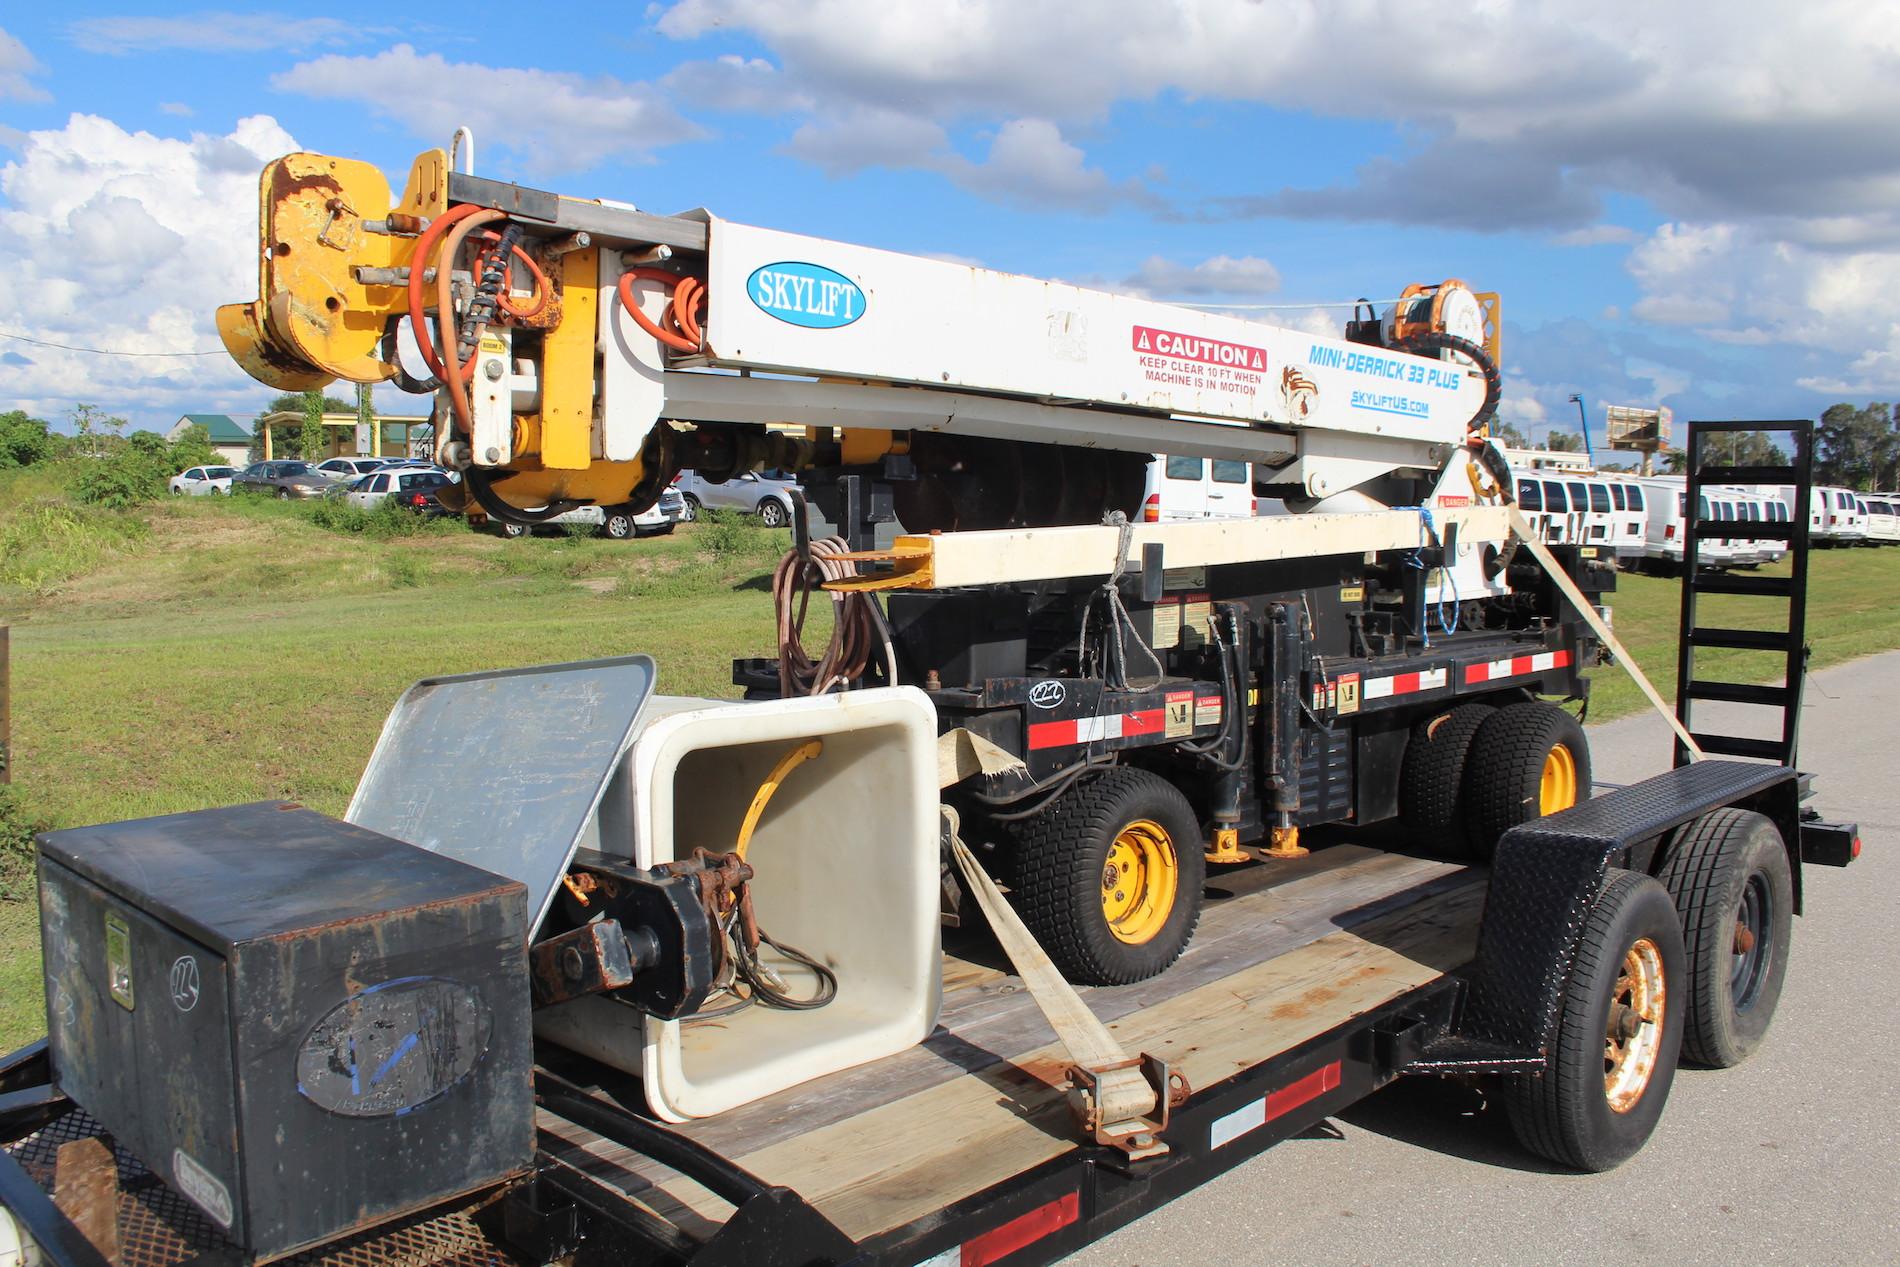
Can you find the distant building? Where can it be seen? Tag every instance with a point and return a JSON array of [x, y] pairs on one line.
[[229, 437], [393, 435]]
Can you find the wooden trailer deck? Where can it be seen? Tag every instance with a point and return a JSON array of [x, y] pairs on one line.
[[1285, 952]]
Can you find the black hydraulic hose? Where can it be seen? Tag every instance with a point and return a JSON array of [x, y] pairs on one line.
[[722, 1178], [491, 502], [404, 379], [1439, 341]]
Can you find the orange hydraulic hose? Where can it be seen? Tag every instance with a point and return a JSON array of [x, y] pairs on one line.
[[418, 265], [453, 370], [542, 291], [627, 279], [689, 296]]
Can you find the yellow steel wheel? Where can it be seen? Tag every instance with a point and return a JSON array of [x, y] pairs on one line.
[[1139, 881], [1558, 787]]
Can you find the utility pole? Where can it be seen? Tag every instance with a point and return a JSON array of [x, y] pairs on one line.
[[1583, 423]]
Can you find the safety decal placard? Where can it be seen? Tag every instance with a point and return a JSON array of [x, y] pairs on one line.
[[1169, 358]]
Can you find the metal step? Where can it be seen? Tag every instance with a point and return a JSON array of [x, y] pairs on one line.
[[1736, 746], [1742, 639], [1749, 475], [1729, 583], [1739, 693]]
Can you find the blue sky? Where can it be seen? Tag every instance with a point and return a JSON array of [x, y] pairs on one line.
[[1693, 208]]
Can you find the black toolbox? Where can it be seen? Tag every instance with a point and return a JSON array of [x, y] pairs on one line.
[[304, 1026]]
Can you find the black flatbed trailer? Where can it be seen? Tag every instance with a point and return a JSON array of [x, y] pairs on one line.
[[1311, 984]]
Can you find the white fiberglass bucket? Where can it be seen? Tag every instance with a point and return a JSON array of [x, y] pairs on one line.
[[847, 861]]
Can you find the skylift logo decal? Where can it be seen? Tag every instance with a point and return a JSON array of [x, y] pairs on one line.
[[808, 295]]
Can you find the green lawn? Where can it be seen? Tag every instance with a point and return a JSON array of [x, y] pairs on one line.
[[208, 654]]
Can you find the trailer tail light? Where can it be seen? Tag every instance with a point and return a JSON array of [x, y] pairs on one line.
[[1856, 850], [1151, 509], [1669, 533]]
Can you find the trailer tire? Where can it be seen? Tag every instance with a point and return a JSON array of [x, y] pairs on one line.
[[1095, 933], [1526, 760], [1432, 777], [1729, 875], [1596, 1102]]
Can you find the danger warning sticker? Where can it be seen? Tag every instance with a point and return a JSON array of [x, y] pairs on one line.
[[1173, 359]]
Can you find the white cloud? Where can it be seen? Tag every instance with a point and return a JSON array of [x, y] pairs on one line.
[[1522, 114], [1221, 275], [1739, 285], [866, 137], [17, 68], [1030, 164], [551, 121], [128, 241], [1597, 235], [212, 31]]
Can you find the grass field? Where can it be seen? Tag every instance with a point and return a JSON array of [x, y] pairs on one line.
[[203, 653]]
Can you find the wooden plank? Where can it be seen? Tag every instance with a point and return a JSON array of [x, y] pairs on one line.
[[1275, 909], [883, 1168]]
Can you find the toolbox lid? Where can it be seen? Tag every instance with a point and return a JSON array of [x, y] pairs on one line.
[[249, 872], [505, 769]]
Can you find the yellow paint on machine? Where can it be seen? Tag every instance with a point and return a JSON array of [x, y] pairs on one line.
[[567, 370]]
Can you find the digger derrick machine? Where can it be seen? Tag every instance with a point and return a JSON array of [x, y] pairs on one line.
[[563, 910], [1237, 680]]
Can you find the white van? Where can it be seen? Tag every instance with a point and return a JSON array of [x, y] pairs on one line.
[[1883, 518], [1629, 513], [1196, 488], [1753, 504], [1665, 529]]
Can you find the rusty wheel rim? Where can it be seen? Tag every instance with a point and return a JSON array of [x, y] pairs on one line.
[[1632, 1037]]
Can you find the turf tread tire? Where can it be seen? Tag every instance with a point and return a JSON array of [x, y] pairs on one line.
[[1705, 870], [1563, 1114], [1432, 775], [1504, 770], [1057, 867]]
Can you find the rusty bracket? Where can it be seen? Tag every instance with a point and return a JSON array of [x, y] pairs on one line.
[[592, 959], [1126, 1104]]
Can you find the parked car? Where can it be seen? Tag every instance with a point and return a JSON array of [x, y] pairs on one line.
[[201, 481], [617, 522], [373, 489], [350, 468], [282, 478], [764, 493]]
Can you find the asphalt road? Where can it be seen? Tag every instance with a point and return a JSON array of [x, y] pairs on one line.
[[1794, 1157]]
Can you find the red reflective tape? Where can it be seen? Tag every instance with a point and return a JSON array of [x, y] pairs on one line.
[[1516, 666], [1052, 734], [1151, 721], [1022, 1230], [1307, 1089], [1405, 683]]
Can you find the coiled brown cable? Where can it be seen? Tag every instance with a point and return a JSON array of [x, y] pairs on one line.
[[854, 627]]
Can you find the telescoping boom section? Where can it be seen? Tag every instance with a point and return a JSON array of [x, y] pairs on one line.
[[584, 351]]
